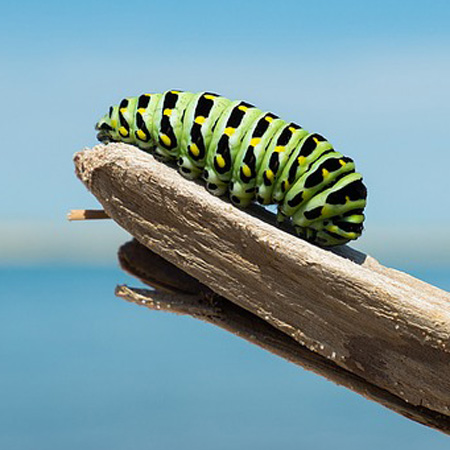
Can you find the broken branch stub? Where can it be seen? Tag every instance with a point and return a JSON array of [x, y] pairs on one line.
[[380, 324]]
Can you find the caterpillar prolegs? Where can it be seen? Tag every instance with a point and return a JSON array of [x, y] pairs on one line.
[[251, 154]]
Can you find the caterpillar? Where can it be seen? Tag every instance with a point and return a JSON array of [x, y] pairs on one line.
[[253, 155]]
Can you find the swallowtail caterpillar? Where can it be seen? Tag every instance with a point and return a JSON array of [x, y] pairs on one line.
[[253, 155]]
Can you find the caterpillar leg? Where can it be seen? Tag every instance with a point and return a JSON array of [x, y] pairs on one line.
[[336, 231], [214, 184], [188, 169]]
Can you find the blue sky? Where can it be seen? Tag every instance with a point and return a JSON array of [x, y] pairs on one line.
[[373, 77]]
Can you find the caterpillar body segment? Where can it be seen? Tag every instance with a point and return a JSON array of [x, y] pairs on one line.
[[226, 142], [323, 172], [275, 158], [335, 201], [249, 157], [200, 118], [253, 155], [168, 127], [126, 122], [311, 147]]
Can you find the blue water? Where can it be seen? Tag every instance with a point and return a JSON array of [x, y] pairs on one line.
[[81, 369]]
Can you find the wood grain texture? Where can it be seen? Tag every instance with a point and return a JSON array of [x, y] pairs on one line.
[[377, 323], [172, 291]]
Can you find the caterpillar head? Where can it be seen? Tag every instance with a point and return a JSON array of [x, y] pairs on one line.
[[105, 129]]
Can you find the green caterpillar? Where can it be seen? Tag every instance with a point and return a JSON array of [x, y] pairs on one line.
[[254, 155]]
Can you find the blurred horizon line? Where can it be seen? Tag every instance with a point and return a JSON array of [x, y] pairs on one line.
[[95, 243]]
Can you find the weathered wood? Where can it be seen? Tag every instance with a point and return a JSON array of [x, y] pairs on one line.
[[384, 326], [185, 295]]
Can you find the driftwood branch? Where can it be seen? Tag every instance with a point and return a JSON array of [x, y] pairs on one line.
[[381, 325], [182, 294]]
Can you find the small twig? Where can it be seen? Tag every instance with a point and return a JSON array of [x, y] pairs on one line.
[[87, 214]]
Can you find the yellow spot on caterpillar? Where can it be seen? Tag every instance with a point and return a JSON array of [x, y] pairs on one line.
[[285, 185], [165, 139], [316, 140], [200, 119], [114, 123], [123, 131], [243, 108], [210, 97], [174, 92], [292, 129], [229, 131], [141, 135], [325, 173], [332, 228], [342, 162], [148, 95], [280, 148], [167, 112], [269, 175], [269, 119], [123, 110], [347, 198], [246, 170], [195, 151], [220, 161], [301, 160], [141, 110], [255, 141]]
